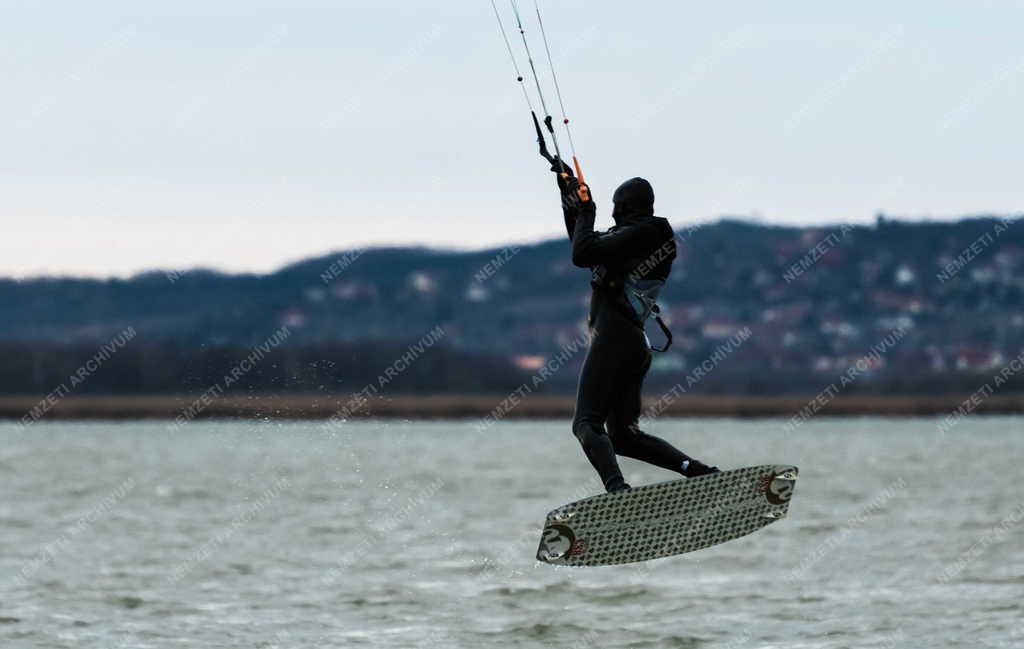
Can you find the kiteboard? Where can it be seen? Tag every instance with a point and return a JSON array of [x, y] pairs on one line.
[[668, 518]]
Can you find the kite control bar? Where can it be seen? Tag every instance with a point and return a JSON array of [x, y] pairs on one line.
[[583, 192]]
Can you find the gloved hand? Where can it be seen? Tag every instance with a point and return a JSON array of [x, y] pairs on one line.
[[571, 187], [564, 178], [574, 195]]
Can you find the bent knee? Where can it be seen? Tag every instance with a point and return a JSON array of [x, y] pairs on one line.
[[585, 428]]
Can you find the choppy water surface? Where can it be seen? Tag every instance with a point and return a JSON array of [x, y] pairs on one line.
[[383, 534]]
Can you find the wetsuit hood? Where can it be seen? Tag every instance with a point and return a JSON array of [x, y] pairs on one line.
[[634, 199]]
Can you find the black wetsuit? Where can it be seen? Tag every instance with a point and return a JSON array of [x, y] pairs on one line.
[[608, 402]]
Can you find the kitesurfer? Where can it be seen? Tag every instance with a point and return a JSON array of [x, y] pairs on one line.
[[629, 264]]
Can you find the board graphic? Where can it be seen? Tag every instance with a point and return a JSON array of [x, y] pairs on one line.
[[667, 518]]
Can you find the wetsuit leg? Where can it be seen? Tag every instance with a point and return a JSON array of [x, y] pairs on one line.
[[624, 429], [600, 381]]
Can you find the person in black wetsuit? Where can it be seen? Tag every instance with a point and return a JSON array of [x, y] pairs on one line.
[[629, 263]]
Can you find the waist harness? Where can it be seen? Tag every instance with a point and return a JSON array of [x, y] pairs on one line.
[[641, 296]]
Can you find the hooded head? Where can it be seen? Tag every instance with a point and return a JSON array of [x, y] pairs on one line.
[[634, 199]]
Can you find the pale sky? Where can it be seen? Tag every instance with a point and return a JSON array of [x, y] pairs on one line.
[[246, 135]]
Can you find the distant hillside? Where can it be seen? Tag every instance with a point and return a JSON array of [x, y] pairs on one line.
[[814, 299]]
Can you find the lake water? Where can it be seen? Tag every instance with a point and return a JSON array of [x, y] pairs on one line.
[[416, 534]]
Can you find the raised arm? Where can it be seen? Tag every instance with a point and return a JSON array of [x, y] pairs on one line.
[[570, 203], [591, 248]]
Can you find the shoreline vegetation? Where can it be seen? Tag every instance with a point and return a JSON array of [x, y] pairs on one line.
[[30, 408]]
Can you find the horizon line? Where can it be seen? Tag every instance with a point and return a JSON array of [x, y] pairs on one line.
[[397, 246]]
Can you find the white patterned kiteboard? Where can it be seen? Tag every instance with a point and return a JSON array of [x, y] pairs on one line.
[[667, 518]]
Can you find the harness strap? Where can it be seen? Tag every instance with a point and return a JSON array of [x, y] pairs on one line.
[[664, 329], [653, 309]]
